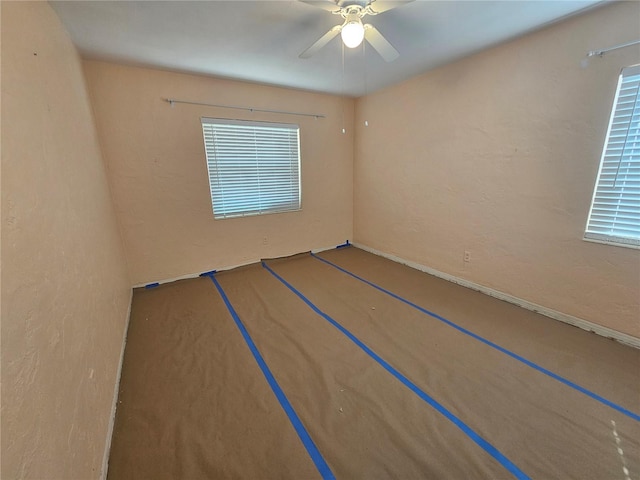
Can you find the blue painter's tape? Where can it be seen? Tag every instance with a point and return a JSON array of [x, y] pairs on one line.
[[486, 446], [347, 244], [308, 443], [151, 285], [208, 274], [513, 355]]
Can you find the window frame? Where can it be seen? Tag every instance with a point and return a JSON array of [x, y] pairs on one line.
[[276, 190], [601, 189]]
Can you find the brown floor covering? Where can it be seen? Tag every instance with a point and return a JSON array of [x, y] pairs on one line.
[[194, 404]]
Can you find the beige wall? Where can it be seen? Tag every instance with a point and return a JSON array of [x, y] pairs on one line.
[[65, 291], [498, 154], [157, 169]]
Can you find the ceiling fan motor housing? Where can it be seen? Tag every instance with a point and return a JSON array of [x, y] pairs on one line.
[[349, 3]]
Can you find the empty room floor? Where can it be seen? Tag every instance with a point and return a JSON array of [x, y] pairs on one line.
[[347, 365]]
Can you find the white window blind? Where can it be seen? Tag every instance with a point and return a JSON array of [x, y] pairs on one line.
[[615, 209], [254, 167]]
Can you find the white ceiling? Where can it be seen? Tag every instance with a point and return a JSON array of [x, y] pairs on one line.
[[260, 40]]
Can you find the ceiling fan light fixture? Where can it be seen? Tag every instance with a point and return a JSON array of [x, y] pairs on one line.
[[352, 33]]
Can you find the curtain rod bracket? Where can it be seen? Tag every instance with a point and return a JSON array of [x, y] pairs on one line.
[[601, 53]]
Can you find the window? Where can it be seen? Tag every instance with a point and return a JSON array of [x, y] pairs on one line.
[[615, 209], [254, 167]]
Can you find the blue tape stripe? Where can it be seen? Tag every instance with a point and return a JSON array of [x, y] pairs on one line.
[[513, 355], [151, 285], [313, 451], [486, 446]]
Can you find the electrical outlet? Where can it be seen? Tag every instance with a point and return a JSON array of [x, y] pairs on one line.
[[265, 241], [467, 256]]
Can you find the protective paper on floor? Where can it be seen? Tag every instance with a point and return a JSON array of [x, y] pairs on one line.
[[194, 404]]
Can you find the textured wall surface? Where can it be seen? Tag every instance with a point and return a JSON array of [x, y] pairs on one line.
[[497, 154], [158, 174], [65, 291]]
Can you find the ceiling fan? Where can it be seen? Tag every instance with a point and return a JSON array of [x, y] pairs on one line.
[[353, 31]]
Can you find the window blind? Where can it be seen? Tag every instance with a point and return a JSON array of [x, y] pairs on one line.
[[254, 167], [615, 209]]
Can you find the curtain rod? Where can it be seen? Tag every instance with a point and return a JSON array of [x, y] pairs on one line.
[[171, 101], [599, 53]]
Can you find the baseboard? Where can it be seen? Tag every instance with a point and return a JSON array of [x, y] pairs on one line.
[[562, 317], [112, 418], [318, 250], [168, 280], [196, 275]]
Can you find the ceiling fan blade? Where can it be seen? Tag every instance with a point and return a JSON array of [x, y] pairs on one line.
[[379, 6], [379, 43], [322, 41], [329, 5]]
